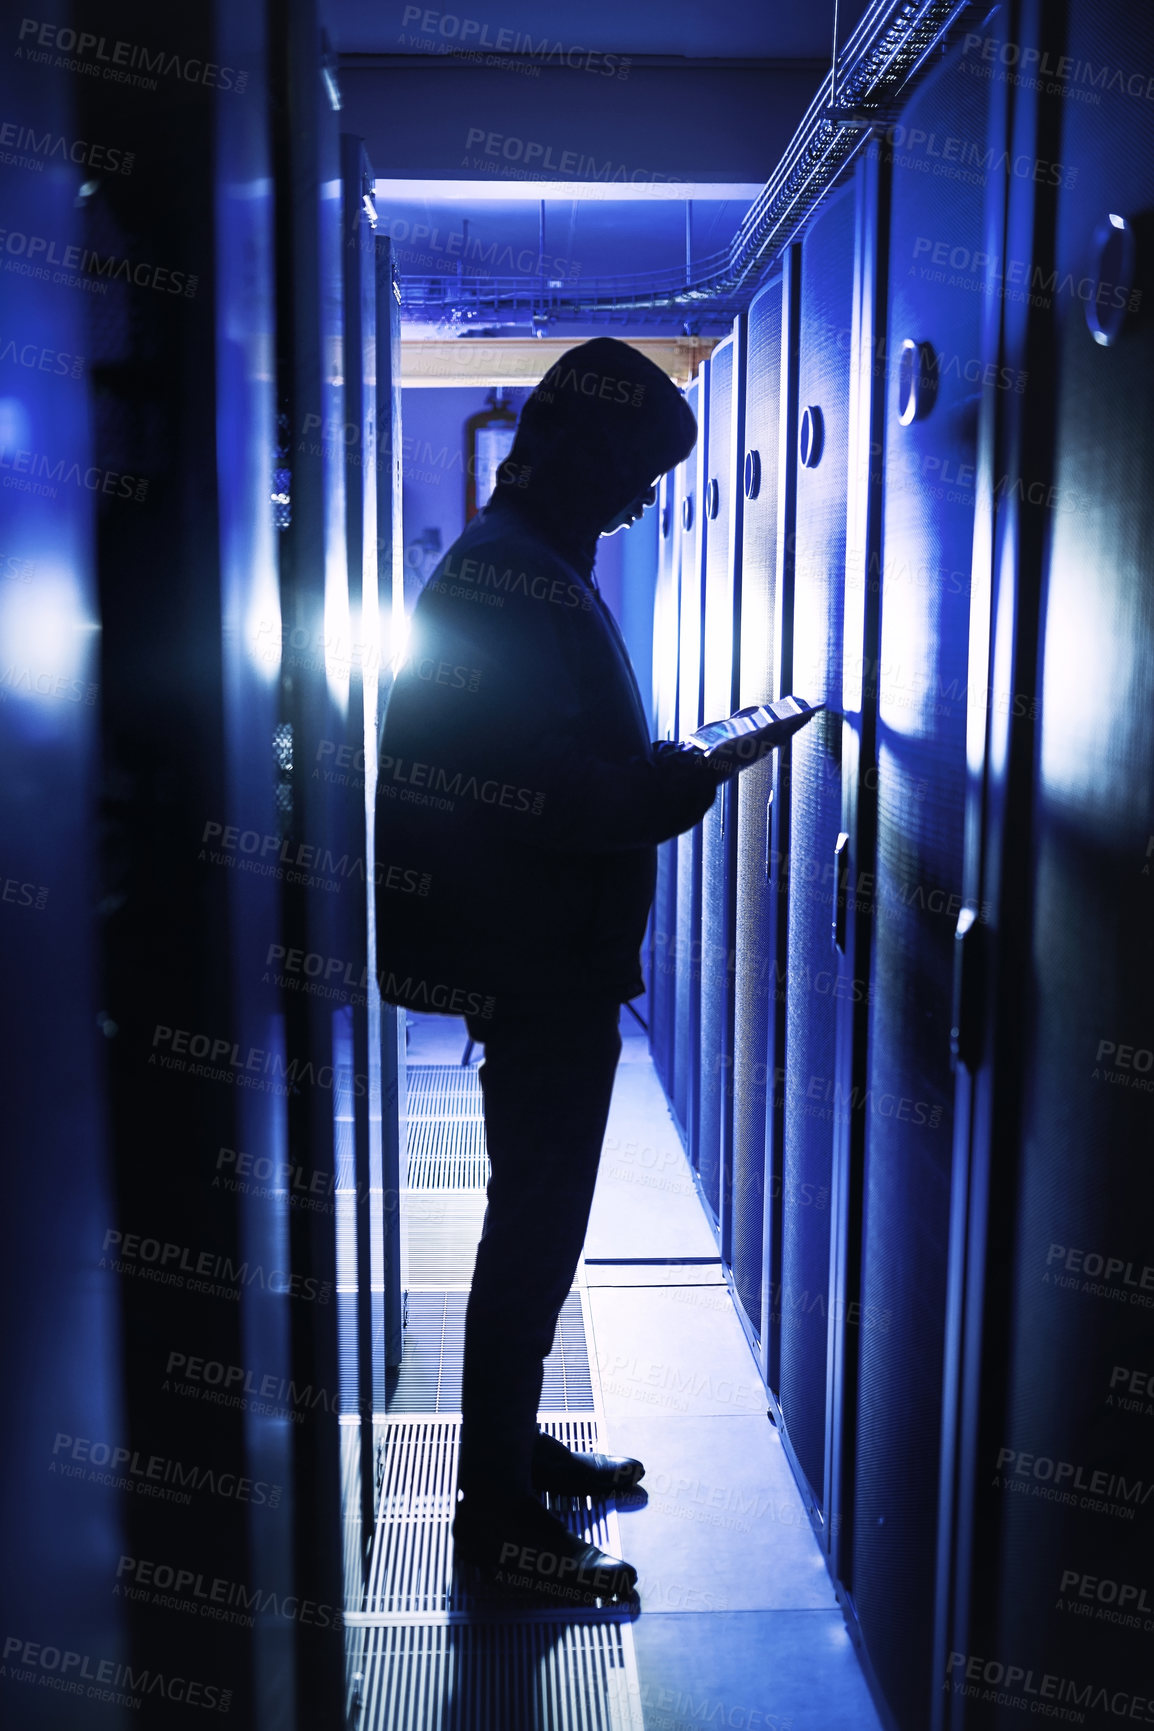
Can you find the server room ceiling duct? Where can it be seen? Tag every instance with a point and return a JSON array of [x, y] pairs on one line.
[[871, 76]]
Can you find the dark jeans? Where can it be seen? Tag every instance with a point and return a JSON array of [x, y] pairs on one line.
[[547, 1079]]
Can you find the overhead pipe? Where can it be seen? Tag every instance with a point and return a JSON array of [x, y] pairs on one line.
[[881, 61]]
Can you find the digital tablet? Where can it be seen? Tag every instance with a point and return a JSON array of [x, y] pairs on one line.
[[747, 736]]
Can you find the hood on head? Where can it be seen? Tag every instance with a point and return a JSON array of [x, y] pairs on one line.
[[599, 427]]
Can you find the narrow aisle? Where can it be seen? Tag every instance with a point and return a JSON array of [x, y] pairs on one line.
[[738, 1623]]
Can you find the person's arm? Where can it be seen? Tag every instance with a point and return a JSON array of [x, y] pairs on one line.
[[489, 699], [592, 806]]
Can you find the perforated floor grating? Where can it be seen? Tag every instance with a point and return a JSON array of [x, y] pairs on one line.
[[545, 1676], [429, 1378], [446, 1128], [413, 1569], [444, 1227], [447, 1154], [429, 1652], [433, 1087]]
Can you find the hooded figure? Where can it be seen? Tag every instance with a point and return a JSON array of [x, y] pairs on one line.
[[519, 807], [519, 799]]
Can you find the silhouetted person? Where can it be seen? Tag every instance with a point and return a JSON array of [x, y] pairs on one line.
[[518, 785]]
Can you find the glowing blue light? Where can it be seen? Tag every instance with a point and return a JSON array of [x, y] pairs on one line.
[[47, 636], [15, 426]]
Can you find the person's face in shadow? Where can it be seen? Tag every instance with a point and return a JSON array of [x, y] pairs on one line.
[[630, 513]]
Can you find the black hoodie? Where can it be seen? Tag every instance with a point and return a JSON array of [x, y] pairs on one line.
[[519, 800]]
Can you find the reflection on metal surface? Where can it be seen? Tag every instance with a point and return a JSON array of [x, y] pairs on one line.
[[49, 637]]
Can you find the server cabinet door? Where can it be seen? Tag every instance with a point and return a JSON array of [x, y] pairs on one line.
[[320, 908], [815, 816], [755, 942], [359, 1156], [663, 926], [665, 612], [929, 364], [1065, 1514], [687, 951], [719, 690], [61, 1361], [389, 1227], [190, 1008]]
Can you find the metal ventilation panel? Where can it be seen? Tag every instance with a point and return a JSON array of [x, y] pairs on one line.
[[447, 1154], [444, 1228], [354, 1548], [541, 1676], [431, 1652], [428, 1380], [412, 1575], [436, 1088], [446, 1125]]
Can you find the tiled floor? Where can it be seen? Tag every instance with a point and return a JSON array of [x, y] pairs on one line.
[[739, 1624]]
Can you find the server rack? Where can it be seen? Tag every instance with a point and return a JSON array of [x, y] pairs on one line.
[[663, 925], [1048, 1492], [389, 1244], [909, 667], [756, 936], [719, 691], [687, 1009], [360, 1187], [317, 700], [811, 1079], [61, 1167], [184, 591], [954, 1083], [778, 822]]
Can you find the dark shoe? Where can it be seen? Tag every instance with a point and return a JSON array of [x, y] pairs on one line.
[[565, 1474], [516, 1542]]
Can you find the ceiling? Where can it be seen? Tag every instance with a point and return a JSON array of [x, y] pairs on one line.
[[517, 99], [583, 238], [721, 29]]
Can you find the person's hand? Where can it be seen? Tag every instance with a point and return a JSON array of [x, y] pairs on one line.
[[689, 784], [720, 768], [697, 765]]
